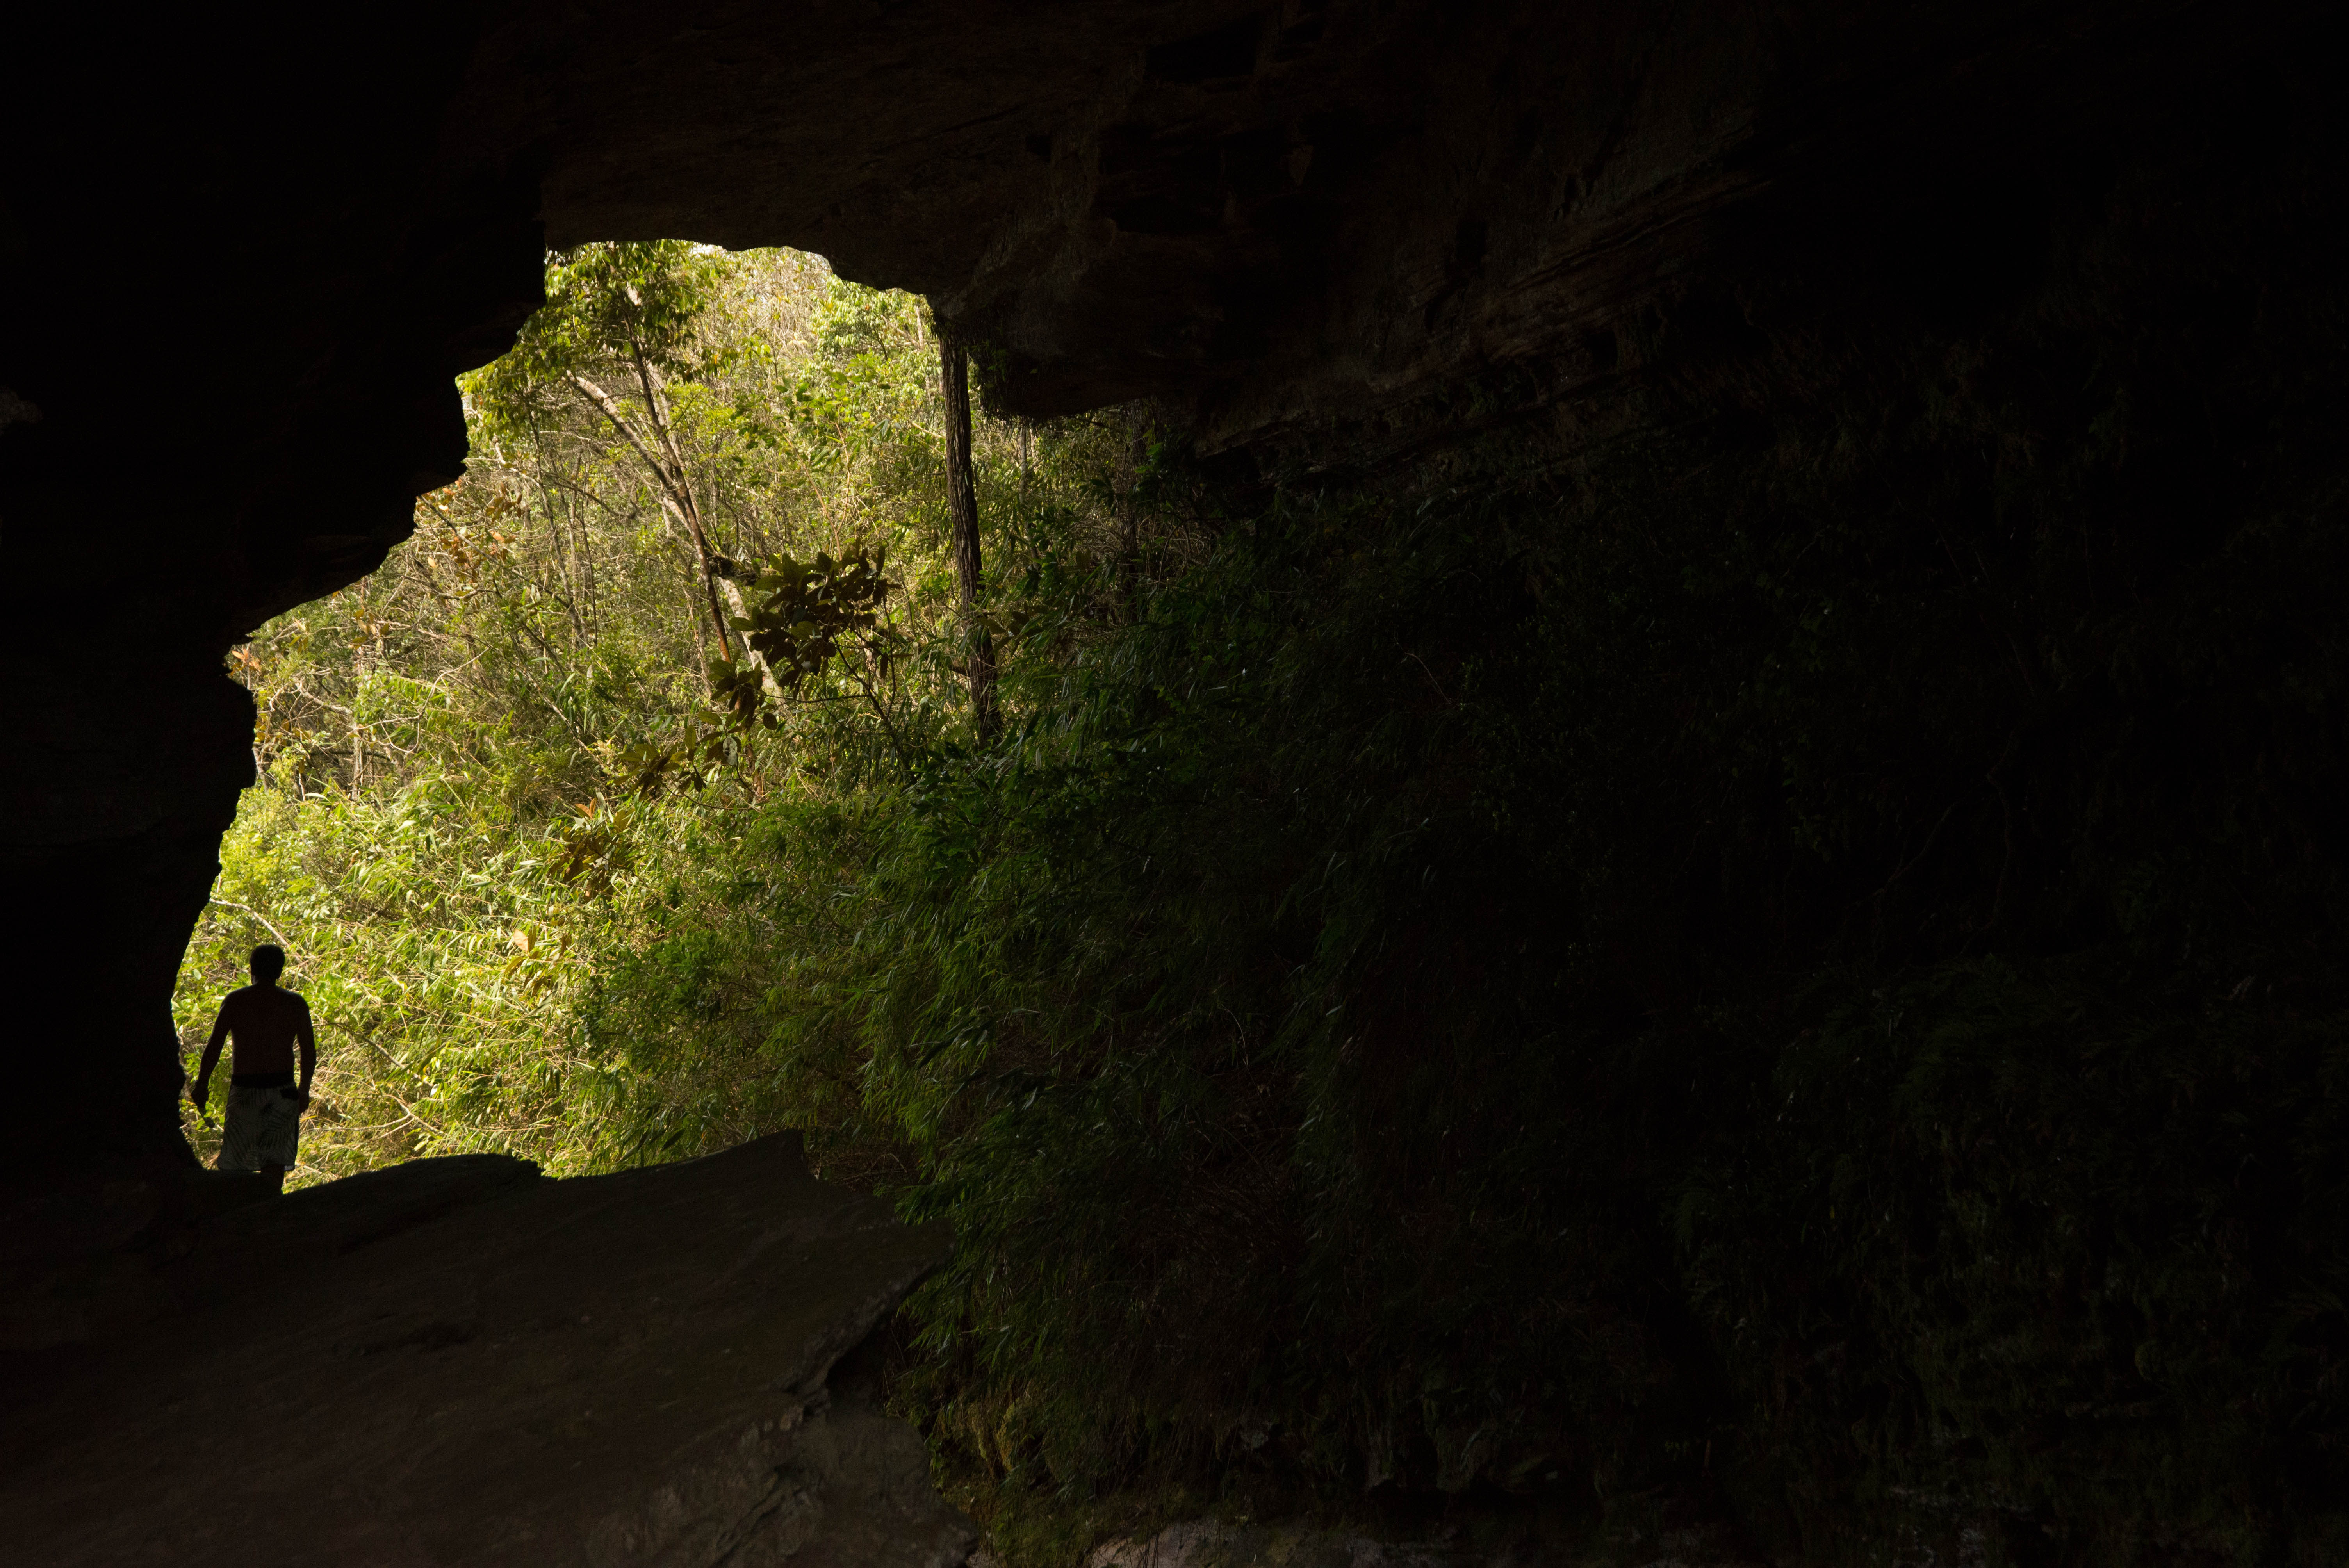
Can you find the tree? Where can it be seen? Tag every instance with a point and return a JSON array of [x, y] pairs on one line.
[[962, 506], [633, 307]]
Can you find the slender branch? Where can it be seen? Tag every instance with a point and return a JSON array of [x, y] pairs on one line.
[[575, 488], [881, 712], [284, 940]]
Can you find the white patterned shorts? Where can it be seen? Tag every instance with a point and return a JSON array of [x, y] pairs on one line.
[[262, 1129]]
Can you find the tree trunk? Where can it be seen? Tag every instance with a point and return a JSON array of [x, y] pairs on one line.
[[1129, 528], [962, 507]]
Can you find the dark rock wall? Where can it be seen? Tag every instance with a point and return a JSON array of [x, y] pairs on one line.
[[243, 257], [236, 290]]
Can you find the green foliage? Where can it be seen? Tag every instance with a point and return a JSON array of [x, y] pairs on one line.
[[601, 300], [493, 765], [807, 607], [442, 959]]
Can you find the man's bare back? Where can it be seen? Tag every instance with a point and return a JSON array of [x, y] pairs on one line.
[[265, 1022]]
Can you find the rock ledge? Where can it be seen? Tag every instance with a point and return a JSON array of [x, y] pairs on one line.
[[458, 1361]]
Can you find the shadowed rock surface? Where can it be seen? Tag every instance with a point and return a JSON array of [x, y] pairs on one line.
[[457, 1361]]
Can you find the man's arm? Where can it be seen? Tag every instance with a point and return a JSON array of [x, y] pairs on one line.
[[197, 1092], [309, 1043]]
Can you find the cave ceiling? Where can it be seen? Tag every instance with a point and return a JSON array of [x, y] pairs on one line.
[[284, 240]]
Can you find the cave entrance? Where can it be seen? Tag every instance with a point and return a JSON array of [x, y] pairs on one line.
[[493, 775]]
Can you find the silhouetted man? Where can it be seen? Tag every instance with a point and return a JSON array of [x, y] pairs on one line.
[[265, 1106]]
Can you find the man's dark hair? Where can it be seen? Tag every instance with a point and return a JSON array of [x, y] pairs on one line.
[[268, 961]]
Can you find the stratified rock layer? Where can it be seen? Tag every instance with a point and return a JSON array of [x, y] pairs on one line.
[[456, 1361]]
